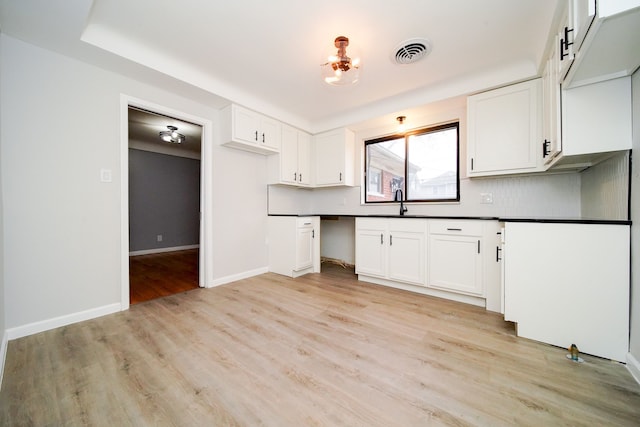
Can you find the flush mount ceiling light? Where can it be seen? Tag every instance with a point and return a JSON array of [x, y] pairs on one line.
[[401, 125], [340, 70], [172, 135]]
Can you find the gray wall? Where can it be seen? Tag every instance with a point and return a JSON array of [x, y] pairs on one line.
[[635, 228], [164, 199]]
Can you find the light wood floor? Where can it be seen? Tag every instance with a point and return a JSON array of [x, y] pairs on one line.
[[159, 275], [321, 350]]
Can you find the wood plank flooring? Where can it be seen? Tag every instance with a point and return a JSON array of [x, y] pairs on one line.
[[159, 275], [320, 350]]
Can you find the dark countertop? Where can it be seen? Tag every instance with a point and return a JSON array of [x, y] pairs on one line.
[[568, 220], [484, 218]]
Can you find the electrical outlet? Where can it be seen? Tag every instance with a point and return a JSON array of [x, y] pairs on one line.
[[486, 198], [159, 237]]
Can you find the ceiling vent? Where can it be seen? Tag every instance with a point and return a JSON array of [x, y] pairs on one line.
[[411, 51]]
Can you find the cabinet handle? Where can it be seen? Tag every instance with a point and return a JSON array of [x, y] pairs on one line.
[[390, 240], [295, 176], [300, 177], [262, 136], [256, 136], [381, 239], [545, 148], [498, 259], [313, 234], [472, 163], [340, 176], [564, 43], [454, 229], [478, 246]]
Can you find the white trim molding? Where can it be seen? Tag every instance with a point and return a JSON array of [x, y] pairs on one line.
[[633, 365], [56, 322], [205, 263], [3, 354], [239, 276]]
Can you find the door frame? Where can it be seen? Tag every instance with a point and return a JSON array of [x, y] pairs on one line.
[[205, 267]]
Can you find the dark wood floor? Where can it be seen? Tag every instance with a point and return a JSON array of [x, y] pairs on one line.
[[159, 275], [320, 350]]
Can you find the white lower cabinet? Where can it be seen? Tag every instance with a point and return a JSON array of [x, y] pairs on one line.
[[569, 284], [455, 256], [391, 249], [294, 245], [446, 258]]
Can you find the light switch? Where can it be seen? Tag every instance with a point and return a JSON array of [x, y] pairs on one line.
[[105, 175]]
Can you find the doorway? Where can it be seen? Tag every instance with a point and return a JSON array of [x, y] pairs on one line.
[[170, 241], [164, 204]]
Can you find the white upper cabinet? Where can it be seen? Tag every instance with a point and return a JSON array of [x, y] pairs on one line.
[[250, 131], [596, 123], [505, 130], [334, 158], [605, 37], [293, 165], [583, 12], [551, 129]]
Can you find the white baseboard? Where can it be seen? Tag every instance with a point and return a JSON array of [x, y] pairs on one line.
[[633, 365], [162, 250], [3, 354], [239, 276], [56, 322]]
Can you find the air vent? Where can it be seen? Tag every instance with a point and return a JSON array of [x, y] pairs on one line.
[[411, 51]]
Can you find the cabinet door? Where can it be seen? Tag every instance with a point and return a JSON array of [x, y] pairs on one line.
[[304, 158], [329, 160], [371, 251], [304, 248], [245, 125], [407, 256], [505, 127], [551, 109], [289, 156], [582, 14], [455, 263], [334, 158], [270, 133]]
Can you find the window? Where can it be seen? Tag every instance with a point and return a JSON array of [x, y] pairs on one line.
[[423, 164], [375, 181]]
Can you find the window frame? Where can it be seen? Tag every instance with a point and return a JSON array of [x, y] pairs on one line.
[[425, 130]]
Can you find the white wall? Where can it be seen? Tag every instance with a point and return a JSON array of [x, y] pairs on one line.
[[605, 189], [338, 239], [61, 125], [635, 227]]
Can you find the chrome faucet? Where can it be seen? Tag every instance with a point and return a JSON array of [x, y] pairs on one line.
[[403, 208]]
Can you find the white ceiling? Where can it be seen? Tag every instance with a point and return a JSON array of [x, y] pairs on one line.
[[266, 55]]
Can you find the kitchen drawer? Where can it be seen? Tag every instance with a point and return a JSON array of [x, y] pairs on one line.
[[304, 222], [459, 227]]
